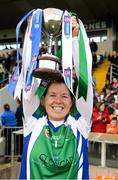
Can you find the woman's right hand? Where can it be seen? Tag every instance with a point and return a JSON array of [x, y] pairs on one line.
[[98, 118]]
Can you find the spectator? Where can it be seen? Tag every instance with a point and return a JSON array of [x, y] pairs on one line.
[[107, 85], [113, 58], [96, 97], [8, 116], [8, 62], [112, 128], [108, 96], [94, 48], [19, 114], [19, 117], [1, 74], [114, 61], [115, 85], [8, 119], [100, 118], [43, 49], [116, 109], [111, 107]]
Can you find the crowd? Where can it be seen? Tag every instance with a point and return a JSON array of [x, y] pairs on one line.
[[105, 108], [105, 113], [7, 66]]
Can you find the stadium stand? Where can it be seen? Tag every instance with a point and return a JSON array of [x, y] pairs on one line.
[[103, 28]]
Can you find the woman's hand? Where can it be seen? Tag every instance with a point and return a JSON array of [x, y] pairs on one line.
[[99, 118], [104, 120], [75, 27]]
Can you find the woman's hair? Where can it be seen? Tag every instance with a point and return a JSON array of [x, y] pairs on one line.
[[6, 107], [99, 104]]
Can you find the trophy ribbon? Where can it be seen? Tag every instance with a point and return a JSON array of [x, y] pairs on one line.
[[67, 56], [15, 77], [35, 46]]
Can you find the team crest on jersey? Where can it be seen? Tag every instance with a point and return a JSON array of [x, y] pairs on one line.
[[47, 134]]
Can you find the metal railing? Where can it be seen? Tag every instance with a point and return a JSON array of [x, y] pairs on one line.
[[113, 71], [13, 144]]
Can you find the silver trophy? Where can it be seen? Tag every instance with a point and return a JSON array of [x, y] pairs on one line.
[[50, 65]]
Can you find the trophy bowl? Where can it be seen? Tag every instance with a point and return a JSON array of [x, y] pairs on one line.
[[52, 20], [49, 65]]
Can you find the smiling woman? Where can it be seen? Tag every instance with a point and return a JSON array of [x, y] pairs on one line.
[[57, 119], [57, 101]]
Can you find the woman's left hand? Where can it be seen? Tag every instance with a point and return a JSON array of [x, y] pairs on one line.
[[75, 27]]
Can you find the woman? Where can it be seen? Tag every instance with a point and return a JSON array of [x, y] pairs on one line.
[[8, 119], [56, 135], [100, 118], [54, 153]]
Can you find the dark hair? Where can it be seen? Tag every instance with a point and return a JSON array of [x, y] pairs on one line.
[[6, 107], [99, 104], [108, 87]]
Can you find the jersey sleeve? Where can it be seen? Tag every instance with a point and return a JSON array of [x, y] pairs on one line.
[[83, 69], [31, 102]]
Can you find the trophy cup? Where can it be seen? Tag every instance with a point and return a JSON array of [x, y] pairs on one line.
[[50, 65]]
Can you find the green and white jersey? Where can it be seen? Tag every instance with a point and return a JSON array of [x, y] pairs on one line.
[[56, 152]]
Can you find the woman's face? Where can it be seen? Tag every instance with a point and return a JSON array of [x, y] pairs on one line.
[[114, 80], [57, 101], [102, 107]]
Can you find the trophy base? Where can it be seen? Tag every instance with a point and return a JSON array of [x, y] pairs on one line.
[[49, 69], [48, 74]]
